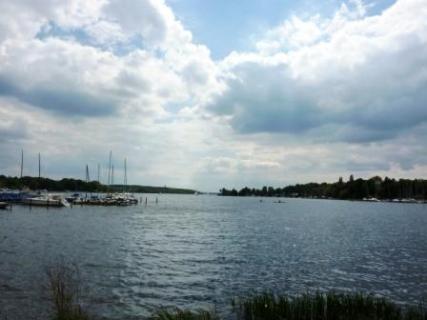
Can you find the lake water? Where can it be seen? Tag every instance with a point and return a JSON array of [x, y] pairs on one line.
[[201, 251]]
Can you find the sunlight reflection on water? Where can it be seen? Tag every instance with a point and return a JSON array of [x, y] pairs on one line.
[[201, 251]]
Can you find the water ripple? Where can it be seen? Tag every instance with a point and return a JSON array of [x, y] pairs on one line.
[[199, 252]]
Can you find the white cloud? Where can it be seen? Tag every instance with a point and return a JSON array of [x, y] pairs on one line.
[[351, 76], [313, 98], [64, 89], [296, 33], [168, 68]]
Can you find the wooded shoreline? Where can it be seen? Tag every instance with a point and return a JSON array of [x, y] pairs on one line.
[[373, 189], [68, 184]]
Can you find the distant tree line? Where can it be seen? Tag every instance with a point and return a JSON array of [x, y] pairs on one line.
[[150, 189], [375, 187], [66, 184]]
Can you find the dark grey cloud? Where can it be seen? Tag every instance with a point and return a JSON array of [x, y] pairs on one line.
[[368, 86], [361, 107], [351, 133], [65, 102], [14, 131], [263, 99], [7, 88], [375, 166], [72, 102]]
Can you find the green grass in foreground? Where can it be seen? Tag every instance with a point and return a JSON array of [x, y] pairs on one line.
[[64, 285], [331, 306], [185, 315]]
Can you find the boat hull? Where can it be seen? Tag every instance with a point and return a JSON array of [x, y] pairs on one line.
[[3, 205], [43, 202]]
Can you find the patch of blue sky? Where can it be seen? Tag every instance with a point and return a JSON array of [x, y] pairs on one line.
[[133, 43], [226, 25], [122, 48], [175, 107], [52, 30]]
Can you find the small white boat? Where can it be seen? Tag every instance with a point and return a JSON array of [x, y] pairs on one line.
[[3, 205], [372, 199], [129, 198], [47, 201]]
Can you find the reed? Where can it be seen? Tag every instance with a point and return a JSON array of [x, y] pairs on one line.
[[65, 287], [178, 314], [330, 306]]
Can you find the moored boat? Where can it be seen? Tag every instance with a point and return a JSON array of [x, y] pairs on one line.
[[3, 205], [13, 196], [46, 201]]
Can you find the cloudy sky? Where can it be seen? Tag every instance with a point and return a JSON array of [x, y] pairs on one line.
[[213, 93]]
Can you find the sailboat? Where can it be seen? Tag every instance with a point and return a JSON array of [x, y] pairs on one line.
[[46, 199], [125, 198]]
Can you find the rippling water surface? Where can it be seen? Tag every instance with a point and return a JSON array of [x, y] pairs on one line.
[[201, 251]]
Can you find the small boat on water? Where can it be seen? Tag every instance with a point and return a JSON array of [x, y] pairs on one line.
[[280, 201], [3, 205], [46, 201], [371, 199], [123, 199], [13, 196], [74, 198], [129, 198]]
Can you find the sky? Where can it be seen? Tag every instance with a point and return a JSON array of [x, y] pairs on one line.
[[208, 94]]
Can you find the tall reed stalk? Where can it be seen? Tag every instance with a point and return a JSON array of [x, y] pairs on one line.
[[65, 287]]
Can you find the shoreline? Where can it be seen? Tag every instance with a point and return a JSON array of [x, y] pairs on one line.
[[404, 201]]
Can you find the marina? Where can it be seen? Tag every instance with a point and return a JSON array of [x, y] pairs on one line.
[[46, 199], [118, 199]]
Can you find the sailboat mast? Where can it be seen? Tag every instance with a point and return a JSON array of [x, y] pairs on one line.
[[99, 172], [125, 178], [22, 162], [112, 174], [109, 169], [39, 167]]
